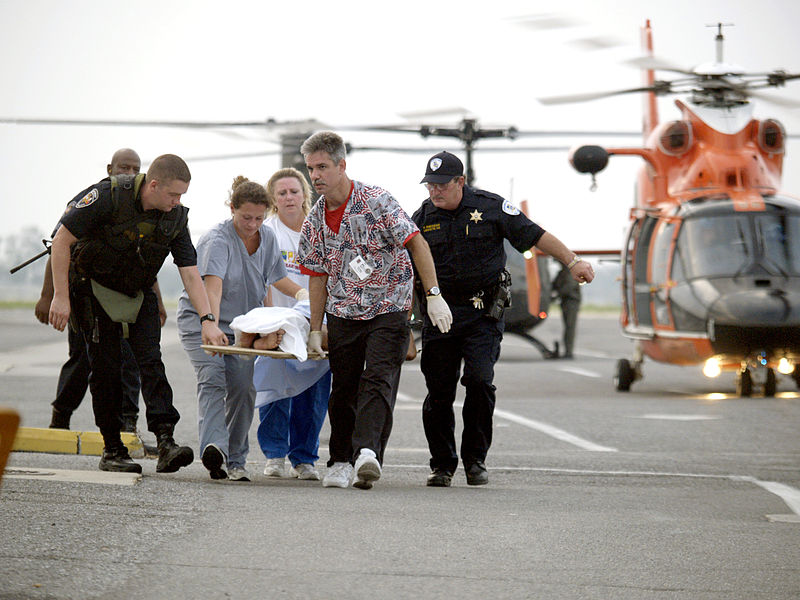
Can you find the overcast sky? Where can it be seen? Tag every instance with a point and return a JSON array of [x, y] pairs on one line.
[[352, 63]]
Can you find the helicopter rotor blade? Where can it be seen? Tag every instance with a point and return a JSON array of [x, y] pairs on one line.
[[778, 78], [551, 21], [482, 149], [269, 124], [545, 21], [555, 133], [447, 111], [381, 128], [773, 99], [659, 88], [595, 42], [655, 63], [215, 157]]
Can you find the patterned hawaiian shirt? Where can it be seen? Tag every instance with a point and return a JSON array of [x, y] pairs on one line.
[[369, 270]]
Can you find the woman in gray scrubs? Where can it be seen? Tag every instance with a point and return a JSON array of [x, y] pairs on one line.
[[238, 260]]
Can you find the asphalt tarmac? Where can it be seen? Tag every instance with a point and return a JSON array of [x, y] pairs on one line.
[[676, 489]]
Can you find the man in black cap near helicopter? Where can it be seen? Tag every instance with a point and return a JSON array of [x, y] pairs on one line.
[[465, 228]]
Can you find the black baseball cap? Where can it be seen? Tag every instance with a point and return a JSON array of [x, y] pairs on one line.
[[442, 168]]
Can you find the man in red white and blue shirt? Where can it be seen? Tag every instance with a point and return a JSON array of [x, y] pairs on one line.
[[353, 246]]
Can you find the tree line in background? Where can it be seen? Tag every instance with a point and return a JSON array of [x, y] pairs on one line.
[[26, 284]]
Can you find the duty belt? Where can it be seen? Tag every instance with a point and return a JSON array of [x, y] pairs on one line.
[[477, 299]]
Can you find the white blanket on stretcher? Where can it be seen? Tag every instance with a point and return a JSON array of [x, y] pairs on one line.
[[270, 319], [275, 379]]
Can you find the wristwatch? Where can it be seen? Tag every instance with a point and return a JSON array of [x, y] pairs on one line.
[[434, 291], [208, 317]]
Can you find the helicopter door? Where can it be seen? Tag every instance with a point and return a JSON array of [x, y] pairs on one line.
[[641, 286], [659, 273], [627, 273]]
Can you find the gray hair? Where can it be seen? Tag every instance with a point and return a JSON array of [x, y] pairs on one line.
[[325, 141]]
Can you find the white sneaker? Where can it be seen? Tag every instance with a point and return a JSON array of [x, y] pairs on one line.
[[338, 475], [238, 474], [306, 471], [367, 469], [275, 467]]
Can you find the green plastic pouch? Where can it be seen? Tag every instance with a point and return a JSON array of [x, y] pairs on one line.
[[120, 307]]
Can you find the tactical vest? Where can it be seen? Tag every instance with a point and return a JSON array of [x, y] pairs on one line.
[[127, 253]]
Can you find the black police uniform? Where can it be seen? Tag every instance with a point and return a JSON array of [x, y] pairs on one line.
[[91, 220], [73, 379], [467, 248]]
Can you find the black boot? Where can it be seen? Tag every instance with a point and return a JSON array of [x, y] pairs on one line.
[[117, 459], [60, 419], [128, 423], [129, 426], [171, 457]]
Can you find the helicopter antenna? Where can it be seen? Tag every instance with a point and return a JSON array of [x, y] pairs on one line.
[[719, 39]]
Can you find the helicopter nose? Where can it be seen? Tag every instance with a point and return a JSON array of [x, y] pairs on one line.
[[760, 320], [757, 308]]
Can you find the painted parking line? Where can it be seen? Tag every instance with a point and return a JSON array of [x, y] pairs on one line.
[[553, 431], [581, 372], [105, 477], [789, 495], [658, 417], [545, 428]]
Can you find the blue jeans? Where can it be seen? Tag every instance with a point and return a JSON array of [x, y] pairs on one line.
[[291, 426]]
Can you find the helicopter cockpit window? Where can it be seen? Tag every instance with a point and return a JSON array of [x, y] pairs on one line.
[[715, 246], [779, 237]]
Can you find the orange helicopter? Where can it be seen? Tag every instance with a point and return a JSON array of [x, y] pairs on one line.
[[711, 261]]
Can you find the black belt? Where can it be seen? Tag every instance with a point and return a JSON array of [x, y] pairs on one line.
[[466, 298]]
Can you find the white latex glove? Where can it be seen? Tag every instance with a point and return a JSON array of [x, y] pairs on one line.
[[302, 294], [315, 342], [439, 313]]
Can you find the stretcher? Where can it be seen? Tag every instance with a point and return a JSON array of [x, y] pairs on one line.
[[253, 352]]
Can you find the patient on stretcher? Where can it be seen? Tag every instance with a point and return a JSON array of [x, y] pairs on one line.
[[261, 341], [271, 341], [273, 328]]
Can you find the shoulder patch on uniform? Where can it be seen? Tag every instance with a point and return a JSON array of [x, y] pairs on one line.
[[509, 208], [88, 199]]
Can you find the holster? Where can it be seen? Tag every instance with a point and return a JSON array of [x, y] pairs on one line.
[[501, 299]]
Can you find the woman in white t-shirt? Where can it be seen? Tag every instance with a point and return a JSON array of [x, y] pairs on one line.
[[290, 426]]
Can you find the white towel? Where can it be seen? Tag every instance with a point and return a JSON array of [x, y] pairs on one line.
[[270, 319]]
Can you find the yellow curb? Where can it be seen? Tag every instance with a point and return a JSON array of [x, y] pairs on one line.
[[54, 441], [64, 441], [91, 443]]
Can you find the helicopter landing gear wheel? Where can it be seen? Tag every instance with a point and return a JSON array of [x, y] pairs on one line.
[[770, 384], [624, 376], [744, 383]]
